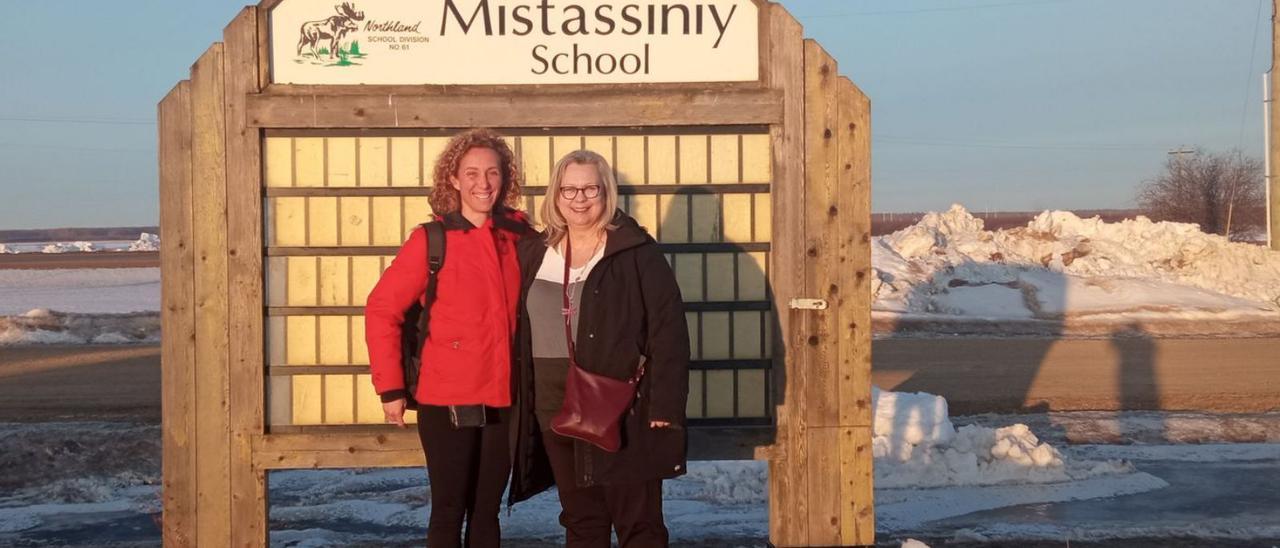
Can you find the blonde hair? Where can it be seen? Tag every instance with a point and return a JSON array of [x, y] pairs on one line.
[[446, 199], [555, 225]]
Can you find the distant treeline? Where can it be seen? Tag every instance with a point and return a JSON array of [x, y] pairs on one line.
[[885, 223], [75, 234]]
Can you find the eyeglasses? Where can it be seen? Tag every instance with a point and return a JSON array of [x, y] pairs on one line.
[[571, 193]]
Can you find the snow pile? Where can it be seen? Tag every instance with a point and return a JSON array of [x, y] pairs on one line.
[[70, 247], [44, 326], [916, 445], [1060, 265], [146, 242], [6, 250]]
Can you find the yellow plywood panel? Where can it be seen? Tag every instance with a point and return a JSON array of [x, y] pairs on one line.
[[645, 210], [289, 220], [724, 158], [335, 281], [720, 394], [602, 145], [335, 347], [693, 159], [300, 336], [751, 393], [431, 149], [746, 335], [355, 221], [688, 267], [764, 218], [342, 161], [339, 399], [720, 277], [406, 161], [277, 275], [308, 161], [279, 400], [692, 320], [275, 341], [308, 394], [322, 221], [693, 406], [277, 161], [535, 158], [388, 229], [563, 145], [417, 210], [736, 215], [368, 404], [674, 222], [303, 281], [630, 161], [756, 159], [538, 202], [410, 416], [715, 336], [374, 164], [706, 218], [365, 272], [359, 347], [662, 159], [751, 276]]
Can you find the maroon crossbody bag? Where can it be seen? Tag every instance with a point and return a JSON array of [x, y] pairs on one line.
[[593, 404]]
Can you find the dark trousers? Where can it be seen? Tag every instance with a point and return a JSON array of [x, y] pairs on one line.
[[633, 509], [468, 469]]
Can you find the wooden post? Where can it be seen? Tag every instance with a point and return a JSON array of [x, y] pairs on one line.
[[177, 318], [209, 215], [245, 280]]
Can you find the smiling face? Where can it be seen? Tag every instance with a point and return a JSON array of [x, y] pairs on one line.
[[478, 181], [581, 212]]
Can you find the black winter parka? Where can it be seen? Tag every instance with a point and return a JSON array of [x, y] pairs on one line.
[[631, 306]]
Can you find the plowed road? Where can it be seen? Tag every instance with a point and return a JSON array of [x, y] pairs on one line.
[[976, 375]]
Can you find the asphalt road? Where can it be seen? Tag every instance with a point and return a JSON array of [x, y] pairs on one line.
[[976, 375]]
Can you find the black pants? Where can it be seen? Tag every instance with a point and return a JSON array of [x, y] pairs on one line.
[[468, 469], [633, 509]]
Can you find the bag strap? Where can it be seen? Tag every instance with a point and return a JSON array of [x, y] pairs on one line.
[[567, 311], [435, 262]]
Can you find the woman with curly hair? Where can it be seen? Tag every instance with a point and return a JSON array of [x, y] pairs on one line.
[[464, 390]]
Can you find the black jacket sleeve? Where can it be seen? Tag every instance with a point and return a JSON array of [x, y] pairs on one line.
[[667, 337]]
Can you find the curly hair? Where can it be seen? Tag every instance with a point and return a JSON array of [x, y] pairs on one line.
[[444, 198]]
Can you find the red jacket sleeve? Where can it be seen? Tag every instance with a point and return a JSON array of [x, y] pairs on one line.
[[399, 287]]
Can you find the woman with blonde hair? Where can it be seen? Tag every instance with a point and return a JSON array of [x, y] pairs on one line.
[[464, 391], [598, 298]]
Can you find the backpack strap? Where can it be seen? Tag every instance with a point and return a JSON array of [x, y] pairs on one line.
[[435, 262]]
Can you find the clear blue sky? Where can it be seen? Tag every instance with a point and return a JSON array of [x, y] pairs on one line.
[[998, 104]]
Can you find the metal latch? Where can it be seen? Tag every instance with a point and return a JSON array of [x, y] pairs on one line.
[[809, 304]]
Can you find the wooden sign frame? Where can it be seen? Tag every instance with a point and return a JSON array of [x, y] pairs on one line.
[[217, 447]]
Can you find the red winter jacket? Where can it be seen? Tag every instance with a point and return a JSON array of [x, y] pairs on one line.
[[467, 356]]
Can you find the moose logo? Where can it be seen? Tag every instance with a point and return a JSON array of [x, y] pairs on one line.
[[332, 29]]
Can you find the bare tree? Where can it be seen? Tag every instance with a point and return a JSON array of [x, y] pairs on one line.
[[1223, 193]]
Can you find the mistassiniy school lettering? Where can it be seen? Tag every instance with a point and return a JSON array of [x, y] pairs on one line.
[[576, 20]]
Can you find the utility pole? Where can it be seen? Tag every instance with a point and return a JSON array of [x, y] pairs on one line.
[[1273, 139]]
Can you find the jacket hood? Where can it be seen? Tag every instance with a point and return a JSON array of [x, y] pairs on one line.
[[627, 235]]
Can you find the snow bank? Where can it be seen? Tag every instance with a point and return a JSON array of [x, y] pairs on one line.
[[916, 445], [146, 242], [44, 326], [70, 247], [1060, 265], [5, 249]]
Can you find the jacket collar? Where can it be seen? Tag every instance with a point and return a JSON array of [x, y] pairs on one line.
[[505, 219], [627, 234]]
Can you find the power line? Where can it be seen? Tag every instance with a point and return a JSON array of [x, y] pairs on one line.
[[1250, 82], [928, 10], [104, 121]]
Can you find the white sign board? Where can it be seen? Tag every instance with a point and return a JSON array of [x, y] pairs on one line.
[[513, 41]]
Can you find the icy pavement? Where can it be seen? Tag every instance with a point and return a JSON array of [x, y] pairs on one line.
[[96, 484]]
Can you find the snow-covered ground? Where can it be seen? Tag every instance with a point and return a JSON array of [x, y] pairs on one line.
[[1060, 266], [94, 484]]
